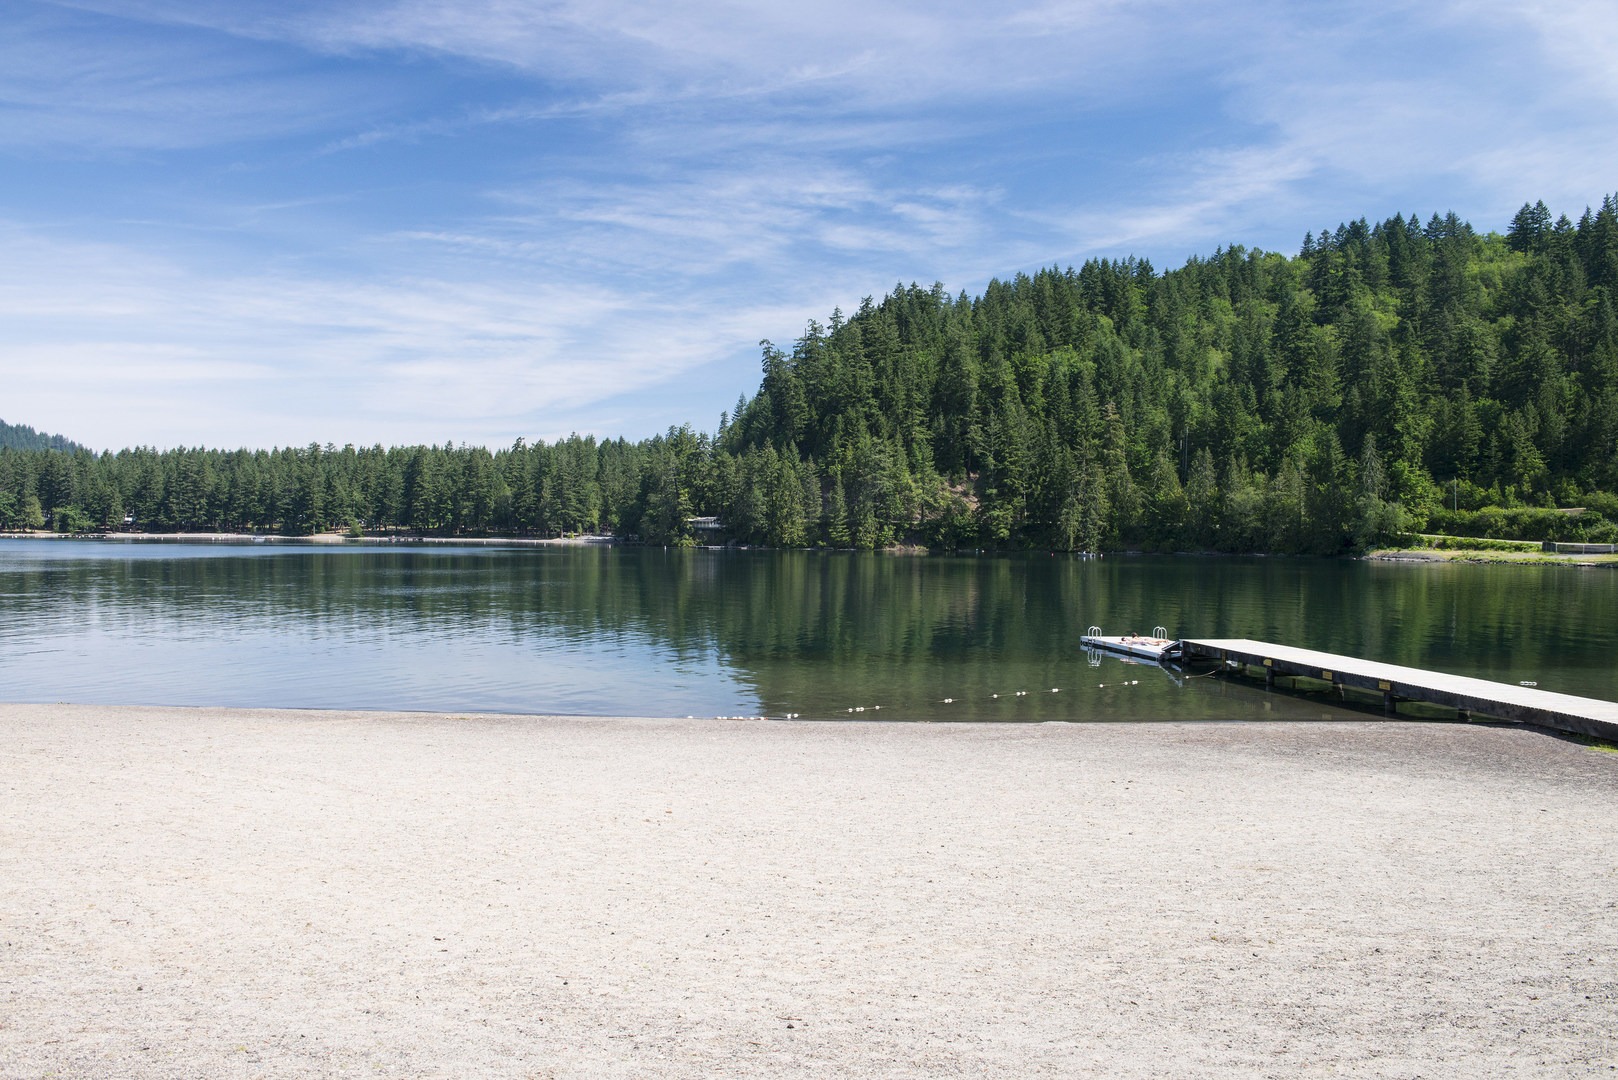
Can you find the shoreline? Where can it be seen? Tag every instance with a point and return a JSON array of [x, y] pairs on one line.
[[1392, 555], [218, 892], [323, 539], [1488, 558]]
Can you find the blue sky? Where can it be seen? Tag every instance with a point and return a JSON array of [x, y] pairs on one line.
[[234, 223]]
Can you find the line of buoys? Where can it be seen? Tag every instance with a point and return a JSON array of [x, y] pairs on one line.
[[996, 697], [1018, 693], [852, 709]]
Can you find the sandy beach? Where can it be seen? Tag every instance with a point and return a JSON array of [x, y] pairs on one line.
[[201, 893]]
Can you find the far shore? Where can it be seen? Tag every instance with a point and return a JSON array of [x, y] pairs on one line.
[[213, 892], [340, 539], [332, 538]]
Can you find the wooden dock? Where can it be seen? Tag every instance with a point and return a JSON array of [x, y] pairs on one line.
[[1467, 696]]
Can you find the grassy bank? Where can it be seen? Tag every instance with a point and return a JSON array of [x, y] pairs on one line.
[[1518, 556]]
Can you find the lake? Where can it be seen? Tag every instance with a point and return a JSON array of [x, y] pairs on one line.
[[655, 632]]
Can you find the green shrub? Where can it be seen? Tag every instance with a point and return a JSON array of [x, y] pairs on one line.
[[70, 519], [1478, 543], [1524, 523]]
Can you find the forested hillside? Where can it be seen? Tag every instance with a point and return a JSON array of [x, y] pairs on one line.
[[1389, 377], [22, 437]]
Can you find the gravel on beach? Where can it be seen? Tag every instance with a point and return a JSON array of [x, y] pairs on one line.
[[224, 893]]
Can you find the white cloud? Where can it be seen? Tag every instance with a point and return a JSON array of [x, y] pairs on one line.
[[1370, 110], [72, 82], [259, 359], [1215, 196], [891, 53], [1578, 37]]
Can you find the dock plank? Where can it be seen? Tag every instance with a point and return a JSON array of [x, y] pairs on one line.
[[1524, 704]]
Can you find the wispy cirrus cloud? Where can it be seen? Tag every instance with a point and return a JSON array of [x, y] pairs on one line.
[[1580, 37], [88, 86], [887, 51], [837, 51], [327, 358]]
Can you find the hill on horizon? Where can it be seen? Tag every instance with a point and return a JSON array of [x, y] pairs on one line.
[[23, 437]]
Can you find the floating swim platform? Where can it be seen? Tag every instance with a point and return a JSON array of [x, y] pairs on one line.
[[1156, 646]]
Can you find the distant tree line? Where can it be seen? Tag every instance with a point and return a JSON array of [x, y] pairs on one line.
[[1387, 376], [22, 437]]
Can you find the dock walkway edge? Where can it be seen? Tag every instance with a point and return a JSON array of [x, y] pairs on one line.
[[1521, 704]]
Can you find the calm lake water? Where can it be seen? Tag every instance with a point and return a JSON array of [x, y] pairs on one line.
[[624, 631]]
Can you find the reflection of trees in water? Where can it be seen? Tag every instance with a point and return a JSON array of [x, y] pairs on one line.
[[789, 622]]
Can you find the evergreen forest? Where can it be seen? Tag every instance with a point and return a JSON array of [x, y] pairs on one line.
[[1390, 378], [23, 437]]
